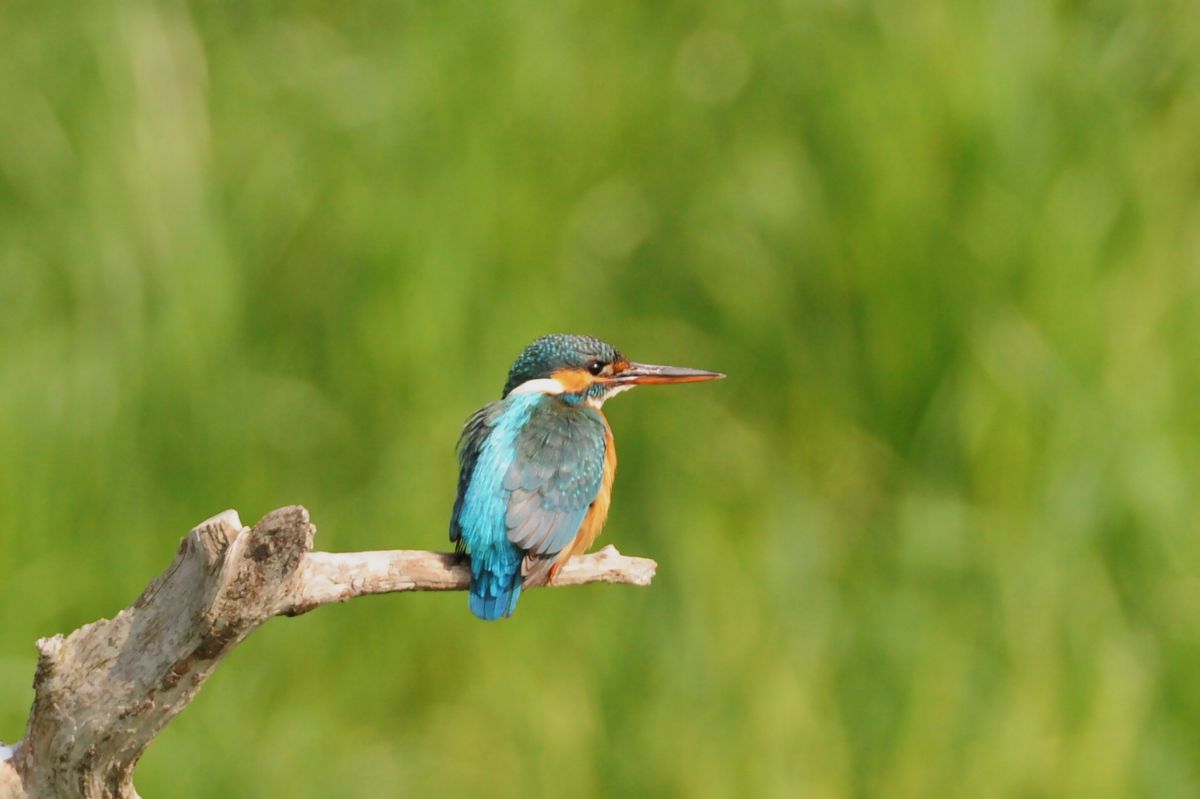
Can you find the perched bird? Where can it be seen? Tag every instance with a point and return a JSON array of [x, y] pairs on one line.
[[536, 466]]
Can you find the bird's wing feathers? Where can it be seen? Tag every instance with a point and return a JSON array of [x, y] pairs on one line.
[[470, 443], [554, 477]]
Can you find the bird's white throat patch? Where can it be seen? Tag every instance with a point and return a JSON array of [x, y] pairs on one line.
[[597, 402]]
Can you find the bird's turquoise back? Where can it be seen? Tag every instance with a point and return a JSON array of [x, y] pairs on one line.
[[531, 465]]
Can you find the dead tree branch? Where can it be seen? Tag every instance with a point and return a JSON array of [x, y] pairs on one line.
[[105, 691]]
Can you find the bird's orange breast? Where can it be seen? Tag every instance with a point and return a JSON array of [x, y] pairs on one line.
[[597, 513]]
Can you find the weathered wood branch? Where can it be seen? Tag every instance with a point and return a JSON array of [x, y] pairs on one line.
[[102, 693]]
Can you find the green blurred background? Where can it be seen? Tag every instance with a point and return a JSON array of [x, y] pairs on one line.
[[936, 535]]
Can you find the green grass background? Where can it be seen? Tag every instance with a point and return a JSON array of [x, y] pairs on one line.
[[935, 536]]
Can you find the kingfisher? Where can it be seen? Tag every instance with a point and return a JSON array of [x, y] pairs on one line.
[[536, 466]]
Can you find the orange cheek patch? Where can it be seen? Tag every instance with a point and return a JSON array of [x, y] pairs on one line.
[[573, 380]]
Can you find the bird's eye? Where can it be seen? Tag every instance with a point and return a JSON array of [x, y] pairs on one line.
[[595, 367]]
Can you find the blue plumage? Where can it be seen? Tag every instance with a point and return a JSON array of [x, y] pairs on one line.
[[489, 447], [531, 466]]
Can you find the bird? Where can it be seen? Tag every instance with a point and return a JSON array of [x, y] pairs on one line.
[[536, 467]]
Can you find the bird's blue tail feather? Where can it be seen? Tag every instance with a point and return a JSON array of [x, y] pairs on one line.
[[494, 596]]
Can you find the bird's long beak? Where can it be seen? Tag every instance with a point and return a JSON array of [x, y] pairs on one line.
[[642, 374]]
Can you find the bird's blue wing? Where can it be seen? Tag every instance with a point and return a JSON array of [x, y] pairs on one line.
[[555, 476], [470, 443], [530, 468]]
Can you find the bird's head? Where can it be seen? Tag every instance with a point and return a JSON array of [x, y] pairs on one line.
[[582, 369]]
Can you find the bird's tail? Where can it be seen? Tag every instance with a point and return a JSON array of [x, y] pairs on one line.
[[494, 596]]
